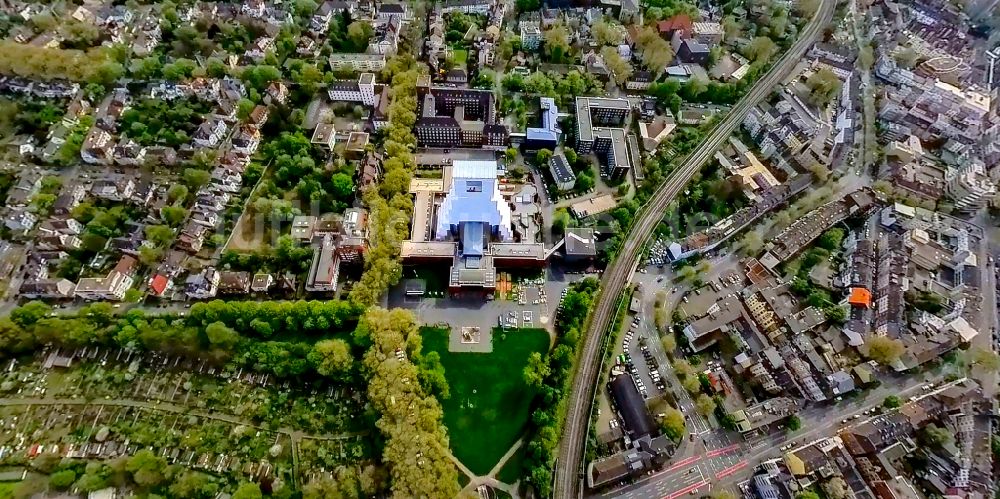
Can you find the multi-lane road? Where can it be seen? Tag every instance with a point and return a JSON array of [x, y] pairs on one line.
[[716, 462], [569, 465]]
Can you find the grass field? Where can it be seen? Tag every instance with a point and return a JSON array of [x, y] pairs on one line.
[[511, 472], [460, 57], [7, 489], [489, 404]]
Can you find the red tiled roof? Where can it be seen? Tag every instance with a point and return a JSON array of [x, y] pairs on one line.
[[159, 284], [680, 22]]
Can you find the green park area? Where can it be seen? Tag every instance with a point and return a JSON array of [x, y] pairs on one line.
[[490, 402]]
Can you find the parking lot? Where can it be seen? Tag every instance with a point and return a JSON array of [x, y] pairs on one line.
[[533, 305], [639, 362]]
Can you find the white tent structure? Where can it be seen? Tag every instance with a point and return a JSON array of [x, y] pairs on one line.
[[472, 204]]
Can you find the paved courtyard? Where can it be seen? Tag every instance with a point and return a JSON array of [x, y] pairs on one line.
[[465, 312]]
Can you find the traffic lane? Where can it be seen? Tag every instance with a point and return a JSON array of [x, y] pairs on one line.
[[664, 486], [696, 423]]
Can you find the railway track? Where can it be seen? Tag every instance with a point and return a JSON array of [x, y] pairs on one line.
[[569, 466]]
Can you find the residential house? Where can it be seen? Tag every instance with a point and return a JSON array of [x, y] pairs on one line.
[[640, 80], [325, 135], [46, 289], [370, 170], [97, 147], [258, 116], [60, 226], [357, 62], [276, 93], [20, 220], [203, 285], [261, 283], [481, 7], [192, 237], [27, 186], [66, 201], [259, 48], [129, 153], [113, 286], [562, 173], [210, 133], [246, 140], [707, 33], [234, 282], [116, 188], [58, 242], [387, 11], [160, 284]]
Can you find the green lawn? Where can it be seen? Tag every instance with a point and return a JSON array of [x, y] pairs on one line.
[[7, 489], [460, 57], [512, 471], [489, 404]]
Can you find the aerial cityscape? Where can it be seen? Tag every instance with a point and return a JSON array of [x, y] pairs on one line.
[[495, 249]]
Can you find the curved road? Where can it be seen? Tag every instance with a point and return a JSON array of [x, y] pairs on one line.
[[569, 466]]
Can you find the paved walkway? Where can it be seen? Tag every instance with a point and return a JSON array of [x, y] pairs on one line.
[[490, 478]]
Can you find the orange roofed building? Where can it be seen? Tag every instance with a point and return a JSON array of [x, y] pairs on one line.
[[860, 297]]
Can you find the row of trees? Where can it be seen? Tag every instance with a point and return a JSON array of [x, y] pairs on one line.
[[416, 445], [219, 331], [547, 417], [390, 206], [97, 65]]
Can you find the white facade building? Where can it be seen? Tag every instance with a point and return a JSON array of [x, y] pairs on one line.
[[362, 91]]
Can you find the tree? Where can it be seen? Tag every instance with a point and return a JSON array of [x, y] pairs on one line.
[[885, 350], [194, 485], [173, 215], [891, 402], [831, 239], [985, 359], [866, 57], [606, 33], [359, 32], [248, 490], [794, 423], [669, 343], [28, 314], [195, 178], [672, 424], [836, 488], [528, 5], [620, 69], [536, 371], [934, 436], [332, 358], [560, 220], [806, 8], [221, 336], [542, 157], [823, 85], [61, 480], [655, 52], [177, 192], [146, 468], [761, 48], [704, 404], [906, 57], [556, 42]]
